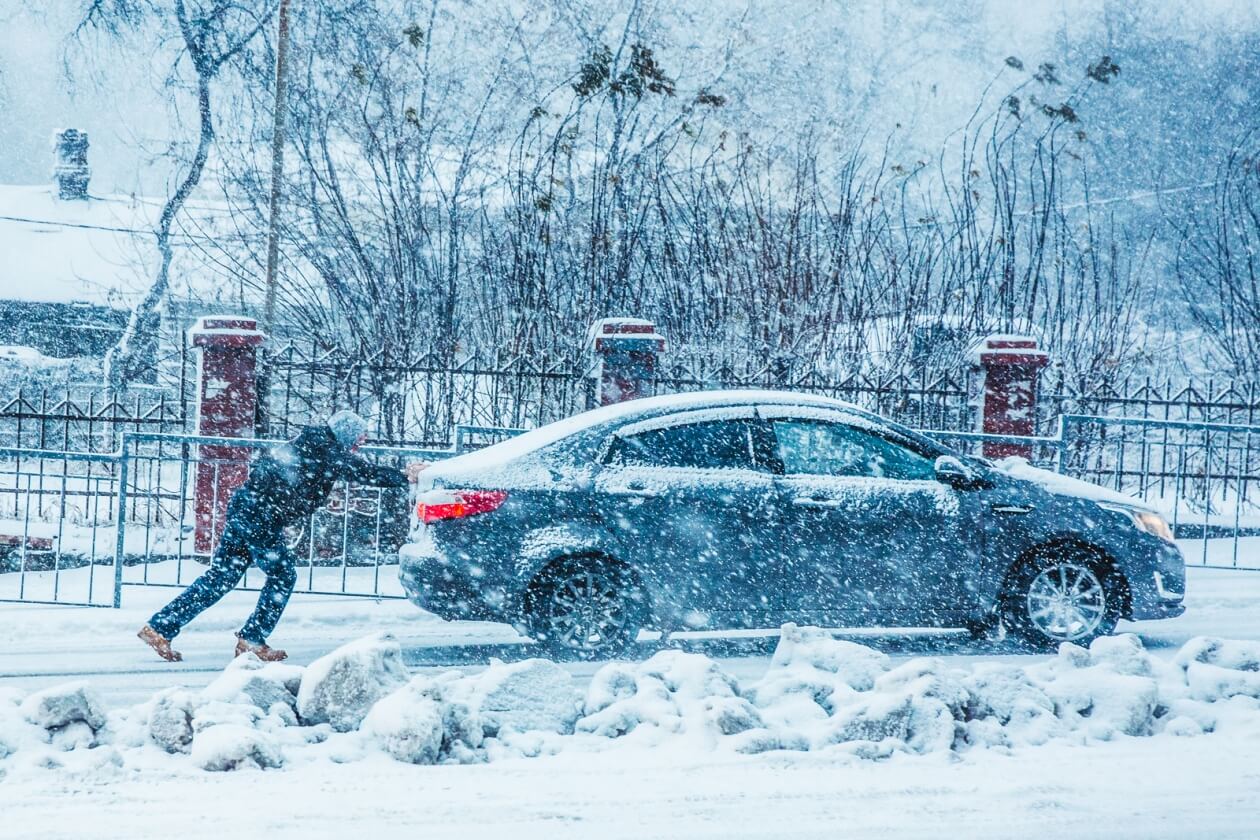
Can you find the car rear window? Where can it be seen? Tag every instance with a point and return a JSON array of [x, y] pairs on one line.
[[721, 444]]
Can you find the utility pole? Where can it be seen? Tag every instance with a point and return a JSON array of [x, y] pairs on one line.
[[277, 163], [279, 113]]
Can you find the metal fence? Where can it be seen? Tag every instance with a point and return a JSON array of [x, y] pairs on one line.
[[420, 401], [1204, 476], [59, 537], [79, 528]]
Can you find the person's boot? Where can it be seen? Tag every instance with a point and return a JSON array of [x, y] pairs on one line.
[[160, 644], [266, 654]]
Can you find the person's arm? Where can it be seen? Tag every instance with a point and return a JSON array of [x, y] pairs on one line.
[[362, 471]]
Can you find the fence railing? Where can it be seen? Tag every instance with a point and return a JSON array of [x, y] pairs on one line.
[[77, 528], [1204, 476], [59, 527], [421, 400]]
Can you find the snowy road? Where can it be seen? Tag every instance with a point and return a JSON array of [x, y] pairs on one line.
[[1131, 787], [47, 645]]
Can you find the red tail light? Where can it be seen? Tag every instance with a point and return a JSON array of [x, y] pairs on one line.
[[456, 504]]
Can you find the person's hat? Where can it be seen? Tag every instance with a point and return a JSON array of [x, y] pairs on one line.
[[347, 427]]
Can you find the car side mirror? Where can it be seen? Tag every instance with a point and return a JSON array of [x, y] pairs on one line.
[[954, 473]]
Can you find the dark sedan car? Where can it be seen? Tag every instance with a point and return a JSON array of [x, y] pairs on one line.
[[735, 509]]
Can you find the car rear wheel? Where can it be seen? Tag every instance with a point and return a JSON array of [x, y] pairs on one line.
[[588, 609], [1066, 595]]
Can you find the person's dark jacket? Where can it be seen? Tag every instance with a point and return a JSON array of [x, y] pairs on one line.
[[295, 479]]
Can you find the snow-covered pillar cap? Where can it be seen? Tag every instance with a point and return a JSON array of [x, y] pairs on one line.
[[627, 351]]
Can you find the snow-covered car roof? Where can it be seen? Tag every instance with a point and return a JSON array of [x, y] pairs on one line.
[[533, 441]]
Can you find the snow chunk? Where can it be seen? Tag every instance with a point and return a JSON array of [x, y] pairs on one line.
[[170, 722], [71, 709], [895, 720], [672, 692], [1212, 683], [812, 674], [341, 687], [1236, 655], [533, 695], [1106, 690], [857, 665], [408, 724], [1005, 694], [253, 682], [230, 746], [1123, 654]]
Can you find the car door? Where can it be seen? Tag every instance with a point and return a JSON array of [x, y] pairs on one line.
[[691, 509], [878, 538]]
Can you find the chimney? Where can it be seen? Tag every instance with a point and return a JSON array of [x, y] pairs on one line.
[[72, 171]]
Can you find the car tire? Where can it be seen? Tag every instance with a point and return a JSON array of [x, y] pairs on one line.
[[586, 608], [1066, 594]]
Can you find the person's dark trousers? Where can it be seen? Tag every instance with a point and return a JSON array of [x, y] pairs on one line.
[[239, 546]]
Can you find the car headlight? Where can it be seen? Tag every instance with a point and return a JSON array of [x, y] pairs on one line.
[[1145, 520]]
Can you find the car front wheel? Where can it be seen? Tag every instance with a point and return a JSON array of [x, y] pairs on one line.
[[586, 609], [1064, 596]]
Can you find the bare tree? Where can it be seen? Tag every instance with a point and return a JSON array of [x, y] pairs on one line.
[[1218, 264], [211, 34]]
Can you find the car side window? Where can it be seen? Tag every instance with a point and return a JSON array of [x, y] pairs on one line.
[[817, 447], [722, 444]]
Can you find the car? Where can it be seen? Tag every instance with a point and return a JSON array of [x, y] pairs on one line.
[[747, 509]]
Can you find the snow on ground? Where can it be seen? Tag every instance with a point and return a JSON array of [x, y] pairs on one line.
[[835, 737], [906, 736]]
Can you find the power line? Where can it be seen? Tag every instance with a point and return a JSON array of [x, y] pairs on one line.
[[1101, 202], [86, 226]]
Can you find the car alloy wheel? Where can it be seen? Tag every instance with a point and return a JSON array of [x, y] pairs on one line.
[[1066, 601], [587, 609], [586, 612]]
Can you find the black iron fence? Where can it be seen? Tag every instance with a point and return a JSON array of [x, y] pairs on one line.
[[421, 401]]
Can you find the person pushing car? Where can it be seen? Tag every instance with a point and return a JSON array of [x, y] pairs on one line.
[[290, 482]]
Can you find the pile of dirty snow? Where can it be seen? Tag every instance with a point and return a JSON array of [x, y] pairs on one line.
[[819, 694]]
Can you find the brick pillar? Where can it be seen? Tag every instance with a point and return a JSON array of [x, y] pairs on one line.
[[627, 350], [227, 394], [1009, 366]]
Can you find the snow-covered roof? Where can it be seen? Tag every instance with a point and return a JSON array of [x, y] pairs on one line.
[[99, 251]]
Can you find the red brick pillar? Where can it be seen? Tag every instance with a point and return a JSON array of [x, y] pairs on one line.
[[626, 351], [1009, 366], [227, 394]]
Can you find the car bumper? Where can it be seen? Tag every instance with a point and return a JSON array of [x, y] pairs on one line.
[[445, 589], [1161, 592]]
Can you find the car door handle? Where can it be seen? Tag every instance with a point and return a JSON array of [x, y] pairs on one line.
[[1012, 509], [816, 502], [639, 490]]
